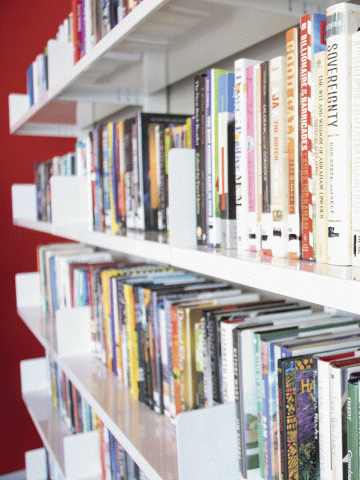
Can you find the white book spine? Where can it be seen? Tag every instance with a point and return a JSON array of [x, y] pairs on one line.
[[342, 20], [258, 154], [321, 167], [241, 172], [89, 180], [278, 156], [227, 364], [324, 418], [355, 176]]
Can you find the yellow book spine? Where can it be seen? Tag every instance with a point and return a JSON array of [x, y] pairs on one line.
[[132, 342]]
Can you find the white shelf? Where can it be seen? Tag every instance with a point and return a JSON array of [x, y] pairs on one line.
[[332, 286], [159, 43], [50, 426]]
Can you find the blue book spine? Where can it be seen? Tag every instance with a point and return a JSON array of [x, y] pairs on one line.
[[30, 84], [54, 297]]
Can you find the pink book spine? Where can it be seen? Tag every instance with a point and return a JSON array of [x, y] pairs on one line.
[[251, 147]]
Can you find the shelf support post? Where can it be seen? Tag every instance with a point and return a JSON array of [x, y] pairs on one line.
[[155, 81]]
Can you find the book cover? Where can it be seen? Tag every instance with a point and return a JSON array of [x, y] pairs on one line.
[[340, 371], [312, 40], [353, 427], [342, 21], [293, 140], [278, 157]]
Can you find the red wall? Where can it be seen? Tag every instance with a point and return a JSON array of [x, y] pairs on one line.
[[25, 29]]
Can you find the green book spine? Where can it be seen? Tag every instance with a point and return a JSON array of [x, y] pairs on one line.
[[353, 429]]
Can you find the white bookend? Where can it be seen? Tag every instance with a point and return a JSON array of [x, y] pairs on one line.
[[35, 464], [278, 156], [82, 455], [206, 444], [27, 287], [343, 20], [241, 147], [355, 175], [182, 198], [69, 200], [321, 166], [19, 104], [73, 331], [24, 201], [34, 376], [60, 60]]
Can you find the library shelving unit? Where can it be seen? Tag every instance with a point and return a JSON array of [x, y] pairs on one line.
[[159, 43]]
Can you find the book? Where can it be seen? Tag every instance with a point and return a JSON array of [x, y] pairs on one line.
[[212, 155], [353, 427], [226, 153], [278, 157], [342, 21], [355, 152], [340, 371], [200, 169], [241, 148], [320, 153], [254, 186], [264, 158], [312, 40], [293, 141]]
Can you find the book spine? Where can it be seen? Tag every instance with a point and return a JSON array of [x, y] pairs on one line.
[[236, 350], [321, 166], [278, 157], [305, 125], [213, 352], [324, 418], [227, 366], [251, 169], [265, 418], [342, 21], [353, 429], [163, 181], [198, 157], [176, 360], [199, 366], [282, 420], [208, 391], [259, 385], [291, 421], [266, 216], [293, 140], [355, 173], [336, 422], [226, 123]]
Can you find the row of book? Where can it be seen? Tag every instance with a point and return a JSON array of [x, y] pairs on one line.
[[116, 463], [70, 164], [88, 22], [77, 414], [274, 146], [181, 342]]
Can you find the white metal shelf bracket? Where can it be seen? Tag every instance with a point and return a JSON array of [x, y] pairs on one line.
[[155, 81]]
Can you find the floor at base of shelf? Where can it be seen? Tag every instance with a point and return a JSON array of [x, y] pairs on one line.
[[19, 475]]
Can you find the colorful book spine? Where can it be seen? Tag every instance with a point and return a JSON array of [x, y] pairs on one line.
[[226, 123], [293, 141], [320, 150], [241, 148], [312, 40], [212, 156], [355, 173], [353, 428], [113, 178], [199, 91], [342, 21], [254, 239], [278, 156], [266, 214]]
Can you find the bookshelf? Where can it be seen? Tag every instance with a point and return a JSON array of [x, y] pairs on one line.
[[173, 34], [156, 45]]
